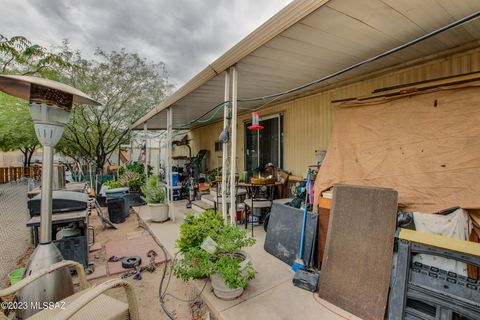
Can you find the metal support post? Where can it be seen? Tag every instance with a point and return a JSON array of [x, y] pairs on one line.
[[159, 156], [233, 158], [130, 156], [169, 163], [46, 203], [145, 133], [225, 148]]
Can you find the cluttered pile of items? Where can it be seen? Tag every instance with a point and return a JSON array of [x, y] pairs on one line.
[[394, 227]]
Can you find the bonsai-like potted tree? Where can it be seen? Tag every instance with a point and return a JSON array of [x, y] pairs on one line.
[[155, 197], [133, 175], [209, 247]]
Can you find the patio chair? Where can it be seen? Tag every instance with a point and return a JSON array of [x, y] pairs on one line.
[[240, 195], [88, 302], [260, 196]]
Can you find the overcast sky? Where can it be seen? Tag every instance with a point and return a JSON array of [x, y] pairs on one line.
[[185, 34]]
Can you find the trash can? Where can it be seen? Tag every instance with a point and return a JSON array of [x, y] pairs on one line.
[[116, 209], [120, 193]]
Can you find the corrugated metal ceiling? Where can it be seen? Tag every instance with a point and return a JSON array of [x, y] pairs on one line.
[[338, 34]]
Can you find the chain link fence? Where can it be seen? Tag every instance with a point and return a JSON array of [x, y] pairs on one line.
[[14, 235]]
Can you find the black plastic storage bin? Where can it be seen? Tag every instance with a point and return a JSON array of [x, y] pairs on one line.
[[135, 198], [120, 193], [116, 209]]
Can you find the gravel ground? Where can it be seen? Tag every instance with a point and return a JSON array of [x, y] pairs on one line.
[[14, 235]]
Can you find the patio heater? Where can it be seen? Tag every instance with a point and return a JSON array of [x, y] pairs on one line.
[[50, 106]]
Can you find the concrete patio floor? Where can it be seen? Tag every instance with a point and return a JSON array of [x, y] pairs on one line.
[[271, 295]]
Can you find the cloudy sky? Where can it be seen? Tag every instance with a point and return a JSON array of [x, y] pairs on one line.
[[185, 34]]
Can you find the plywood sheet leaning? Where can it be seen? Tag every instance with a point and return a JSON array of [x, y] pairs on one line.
[[357, 263], [285, 231]]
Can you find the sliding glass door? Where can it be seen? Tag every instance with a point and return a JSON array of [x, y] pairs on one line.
[[264, 146]]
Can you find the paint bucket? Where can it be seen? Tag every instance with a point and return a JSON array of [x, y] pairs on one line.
[[16, 275]]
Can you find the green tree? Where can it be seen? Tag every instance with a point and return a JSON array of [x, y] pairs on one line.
[[16, 128], [127, 86], [19, 56]]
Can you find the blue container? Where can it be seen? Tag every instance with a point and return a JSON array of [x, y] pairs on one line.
[[117, 192], [175, 178]]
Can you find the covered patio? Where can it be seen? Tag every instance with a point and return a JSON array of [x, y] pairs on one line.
[[293, 68], [308, 48], [270, 295]]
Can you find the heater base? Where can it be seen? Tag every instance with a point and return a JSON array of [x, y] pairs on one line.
[[49, 288]]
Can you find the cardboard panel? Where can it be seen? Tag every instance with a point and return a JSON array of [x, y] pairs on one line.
[[357, 262], [424, 145]]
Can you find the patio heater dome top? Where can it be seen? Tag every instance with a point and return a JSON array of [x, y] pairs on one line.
[[21, 87]]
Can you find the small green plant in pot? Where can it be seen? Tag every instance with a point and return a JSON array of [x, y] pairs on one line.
[[209, 247], [114, 184], [155, 195], [134, 181]]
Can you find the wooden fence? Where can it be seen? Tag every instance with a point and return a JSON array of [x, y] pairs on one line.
[[8, 174]]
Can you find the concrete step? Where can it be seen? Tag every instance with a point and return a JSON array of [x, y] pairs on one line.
[[200, 206], [208, 198], [240, 191]]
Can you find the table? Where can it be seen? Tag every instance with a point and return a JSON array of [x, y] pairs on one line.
[[251, 186]]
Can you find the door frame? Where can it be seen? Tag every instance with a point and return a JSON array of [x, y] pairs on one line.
[[279, 116]]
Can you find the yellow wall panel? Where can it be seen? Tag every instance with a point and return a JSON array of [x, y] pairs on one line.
[[308, 120]]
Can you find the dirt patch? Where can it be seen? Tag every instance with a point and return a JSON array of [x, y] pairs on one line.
[[146, 289]]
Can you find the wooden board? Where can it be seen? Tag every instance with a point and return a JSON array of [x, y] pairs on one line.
[[324, 216], [357, 262]]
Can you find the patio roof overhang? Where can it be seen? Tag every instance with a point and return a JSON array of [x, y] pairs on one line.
[[308, 40]]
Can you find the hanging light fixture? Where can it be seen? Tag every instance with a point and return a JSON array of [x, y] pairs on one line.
[[50, 103]]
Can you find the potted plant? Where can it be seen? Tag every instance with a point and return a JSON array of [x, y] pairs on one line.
[[215, 174], [113, 184], [134, 181], [209, 247], [155, 195]]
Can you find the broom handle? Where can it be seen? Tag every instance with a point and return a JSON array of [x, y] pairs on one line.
[[307, 187]]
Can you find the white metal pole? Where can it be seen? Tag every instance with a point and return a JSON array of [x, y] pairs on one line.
[[159, 156], [130, 156], [233, 158], [225, 148], [169, 162], [46, 191], [145, 133]]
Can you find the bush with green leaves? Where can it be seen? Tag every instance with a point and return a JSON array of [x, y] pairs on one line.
[[132, 180], [214, 173], [113, 184], [135, 167], [153, 191], [195, 262]]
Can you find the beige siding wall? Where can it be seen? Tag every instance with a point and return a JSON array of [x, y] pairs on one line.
[[308, 120]]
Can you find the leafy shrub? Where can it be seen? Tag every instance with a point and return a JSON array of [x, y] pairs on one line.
[[196, 263], [212, 174], [133, 180], [135, 167], [112, 184], [153, 191]]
